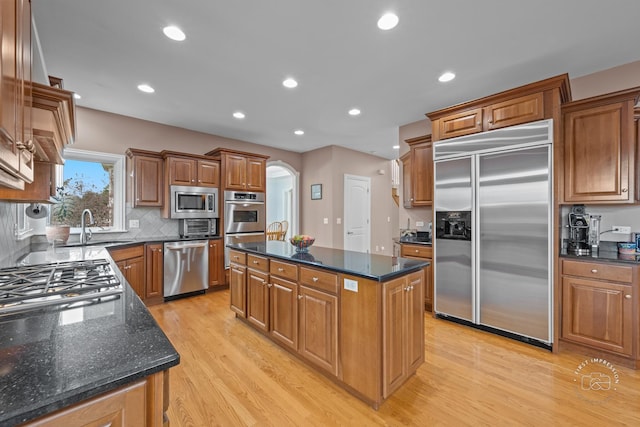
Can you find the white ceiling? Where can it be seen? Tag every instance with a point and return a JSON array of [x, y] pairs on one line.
[[237, 53]]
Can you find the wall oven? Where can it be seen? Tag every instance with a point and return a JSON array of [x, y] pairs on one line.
[[244, 212], [244, 217], [193, 202]]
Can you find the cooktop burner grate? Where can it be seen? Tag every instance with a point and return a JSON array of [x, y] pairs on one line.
[[32, 286]]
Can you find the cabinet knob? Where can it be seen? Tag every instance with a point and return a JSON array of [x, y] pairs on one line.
[[236, 257], [478, 123], [280, 269], [315, 279], [299, 296], [624, 190], [256, 261], [269, 285], [594, 271], [628, 296], [417, 251]]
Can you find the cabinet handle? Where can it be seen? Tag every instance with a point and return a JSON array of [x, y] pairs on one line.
[[269, 285], [594, 271], [236, 257], [256, 261], [315, 279], [280, 269], [624, 190], [628, 296], [299, 296]]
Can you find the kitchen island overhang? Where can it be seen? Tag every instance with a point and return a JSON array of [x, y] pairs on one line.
[[357, 318]]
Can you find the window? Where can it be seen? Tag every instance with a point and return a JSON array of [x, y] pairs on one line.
[[94, 181]]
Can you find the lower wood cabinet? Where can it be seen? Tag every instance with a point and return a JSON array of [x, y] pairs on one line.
[[258, 299], [142, 403], [408, 250], [402, 330], [216, 263], [238, 283], [130, 261], [600, 307], [283, 310]]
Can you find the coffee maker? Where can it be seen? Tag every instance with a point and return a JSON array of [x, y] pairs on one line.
[[579, 231], [584, 231]]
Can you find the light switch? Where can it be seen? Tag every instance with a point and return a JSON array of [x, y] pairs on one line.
[[325, 221], [419, 223], [338, 221]]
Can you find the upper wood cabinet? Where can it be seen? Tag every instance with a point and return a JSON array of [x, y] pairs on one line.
[[535, 101], [421, 167], [191, 170], [145, 178], [407, 192], [40, 190], [240, 170], [16, 140], [600, 145]]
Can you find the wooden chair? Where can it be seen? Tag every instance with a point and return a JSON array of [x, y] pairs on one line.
[[274, 231], [285, 228]]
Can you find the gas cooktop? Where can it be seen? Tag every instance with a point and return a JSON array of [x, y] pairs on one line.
[[65, 283]]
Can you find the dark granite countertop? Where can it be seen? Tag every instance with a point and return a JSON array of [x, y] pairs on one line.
[[53, 357], [370, 266], [605, 256]]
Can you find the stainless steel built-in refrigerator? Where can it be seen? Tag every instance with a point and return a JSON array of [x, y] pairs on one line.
[[493, 204]]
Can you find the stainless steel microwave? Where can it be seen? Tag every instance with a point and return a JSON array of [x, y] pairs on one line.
[[193, 202]]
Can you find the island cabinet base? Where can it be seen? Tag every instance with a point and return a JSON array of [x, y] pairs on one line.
[[365, 335], [141, 404]]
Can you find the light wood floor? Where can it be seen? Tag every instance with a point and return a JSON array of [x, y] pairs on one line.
[[230, 375]]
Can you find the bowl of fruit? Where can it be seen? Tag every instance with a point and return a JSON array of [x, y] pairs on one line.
[[302, 242]]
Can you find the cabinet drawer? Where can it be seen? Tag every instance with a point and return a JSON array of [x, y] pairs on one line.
[[616, 273], [127, 253], [284, 269], [257, 262], [416, 251], [238, 257], [319, 279]]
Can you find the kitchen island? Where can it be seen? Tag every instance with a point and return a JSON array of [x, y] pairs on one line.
[[102, 360], [357, 318]]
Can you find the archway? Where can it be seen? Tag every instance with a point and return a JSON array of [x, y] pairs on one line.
[[282, 195]]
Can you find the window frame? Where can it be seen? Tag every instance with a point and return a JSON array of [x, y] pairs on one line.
[[119, 184]]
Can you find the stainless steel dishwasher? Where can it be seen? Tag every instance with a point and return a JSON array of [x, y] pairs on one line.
[[186, 267]]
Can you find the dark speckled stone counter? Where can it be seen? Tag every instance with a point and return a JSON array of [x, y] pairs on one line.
[[52, 358], [370, 266]]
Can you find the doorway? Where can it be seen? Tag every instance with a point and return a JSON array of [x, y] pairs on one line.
[[282, 195], [357, 210]]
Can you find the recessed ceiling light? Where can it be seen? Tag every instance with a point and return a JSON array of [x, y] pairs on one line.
[[388, 21], [239, 115], [76, 96], [146, 88], [446, 77], [396, 147], [299, 132], [290, 83], [354, 112], [174, 33]]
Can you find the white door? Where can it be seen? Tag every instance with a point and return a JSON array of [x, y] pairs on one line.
[[357, 210]]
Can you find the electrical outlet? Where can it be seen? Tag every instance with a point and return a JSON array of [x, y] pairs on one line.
[[419, 223], [338, 221], [134, 223], [325, 221], [621, 229]]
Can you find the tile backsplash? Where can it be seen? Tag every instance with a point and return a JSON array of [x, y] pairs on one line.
[[11, 248], [611, 215]]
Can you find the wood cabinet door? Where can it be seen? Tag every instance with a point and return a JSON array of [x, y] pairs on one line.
[[182, 171], [216, 263], [394, 335], [428, 288], [284, 312], [9, 87], [148, 181], [458, 124], [599, 154], [407, 196], [238, 289], [235, 172], [258, 299], [415, 320], [208, 173], [598, 314], [319, 328], [256, 174], [422, 174], [135, 275], [23, 71], [523, 109], [154, 258]]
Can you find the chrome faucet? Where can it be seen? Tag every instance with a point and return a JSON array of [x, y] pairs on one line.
[[85, 235]]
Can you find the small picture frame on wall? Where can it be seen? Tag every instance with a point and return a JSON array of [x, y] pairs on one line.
[[316, 191]]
